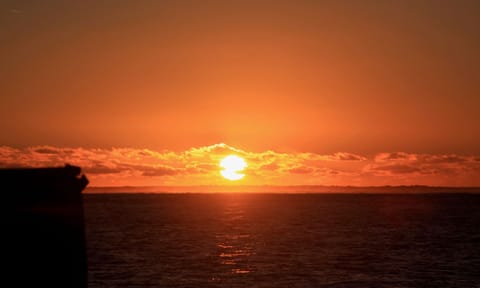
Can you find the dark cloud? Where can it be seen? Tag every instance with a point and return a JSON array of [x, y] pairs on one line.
[[46, 151], [159, 171], [394, 156], [443, 159], [447, 165], [102, 169], [398, 168], [348, 157]]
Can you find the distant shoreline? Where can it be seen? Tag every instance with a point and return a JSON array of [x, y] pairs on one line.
[[302, 189]]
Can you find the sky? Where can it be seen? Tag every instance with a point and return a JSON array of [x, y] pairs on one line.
[[309, 92]]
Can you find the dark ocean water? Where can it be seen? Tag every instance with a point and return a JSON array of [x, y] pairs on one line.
[[283, 240]]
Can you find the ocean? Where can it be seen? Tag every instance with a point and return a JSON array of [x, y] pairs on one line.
[[283, 240]]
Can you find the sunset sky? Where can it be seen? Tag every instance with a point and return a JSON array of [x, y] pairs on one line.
[[307, 92]]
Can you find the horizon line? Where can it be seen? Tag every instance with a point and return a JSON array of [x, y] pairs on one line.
[[273, 185], [408, 189]]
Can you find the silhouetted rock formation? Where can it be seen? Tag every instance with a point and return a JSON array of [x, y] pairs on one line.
[[45, 230]]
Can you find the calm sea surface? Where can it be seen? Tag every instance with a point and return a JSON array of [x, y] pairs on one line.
[[283, 240]]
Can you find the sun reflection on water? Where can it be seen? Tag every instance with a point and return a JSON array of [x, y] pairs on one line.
[[234, 243]]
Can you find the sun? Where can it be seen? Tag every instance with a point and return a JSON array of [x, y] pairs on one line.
[[231, 165]]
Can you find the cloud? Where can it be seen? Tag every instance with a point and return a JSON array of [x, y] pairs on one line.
[[395, 156], [102, 169], [397, 168], [301, 170], [46, 150], [270, 167], [430, 169], [199, 166], [348, 157], [160, 171]]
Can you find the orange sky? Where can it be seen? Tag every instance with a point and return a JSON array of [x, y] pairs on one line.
[[316, 78]]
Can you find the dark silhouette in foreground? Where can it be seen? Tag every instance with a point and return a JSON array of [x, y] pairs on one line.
[[45, 234]]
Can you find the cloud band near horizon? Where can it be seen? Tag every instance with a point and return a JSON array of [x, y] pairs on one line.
[[199, 166]]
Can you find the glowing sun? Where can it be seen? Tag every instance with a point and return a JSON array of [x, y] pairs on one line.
[[231, 165]]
